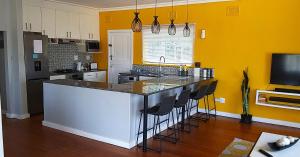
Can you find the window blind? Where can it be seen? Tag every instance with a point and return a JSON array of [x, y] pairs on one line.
[[176, 49]]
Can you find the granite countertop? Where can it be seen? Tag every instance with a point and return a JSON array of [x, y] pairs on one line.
[[147, 87], [76, 72]]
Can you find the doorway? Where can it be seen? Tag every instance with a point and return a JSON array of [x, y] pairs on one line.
[[120, 53]]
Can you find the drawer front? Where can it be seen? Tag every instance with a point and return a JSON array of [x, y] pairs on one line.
[[90, 75], [58, 77]]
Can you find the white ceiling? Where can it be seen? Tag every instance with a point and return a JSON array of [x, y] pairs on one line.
[[126, 3]]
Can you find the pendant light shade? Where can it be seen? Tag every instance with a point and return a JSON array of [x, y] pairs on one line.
[[136, 24], [172, 27], [155, 27], [186, 30]]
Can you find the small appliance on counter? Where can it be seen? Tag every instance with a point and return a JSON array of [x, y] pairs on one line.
[[79, 66], [183, 70], [197, 69], [208, 73], [94, 66]]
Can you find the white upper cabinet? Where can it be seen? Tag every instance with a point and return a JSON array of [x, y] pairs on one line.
[[85, 26], [89, 27], [67, 25], [62, 24], [74, 25], [48, 22], [60, 20], [32, 18], [95, 28]]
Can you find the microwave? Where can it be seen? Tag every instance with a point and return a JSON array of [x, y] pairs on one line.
[[92, 46]]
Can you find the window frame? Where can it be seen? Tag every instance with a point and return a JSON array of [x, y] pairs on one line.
[[168, 64]]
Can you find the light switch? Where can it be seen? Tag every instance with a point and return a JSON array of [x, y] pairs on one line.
[[75, 57], [203, 34]]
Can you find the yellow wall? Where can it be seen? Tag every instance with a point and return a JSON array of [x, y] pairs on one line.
[[233, 43]]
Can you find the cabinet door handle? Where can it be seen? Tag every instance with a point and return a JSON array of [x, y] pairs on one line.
[[30, 25]]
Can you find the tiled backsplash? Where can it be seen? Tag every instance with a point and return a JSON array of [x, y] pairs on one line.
[[61, 56], [169, 70]]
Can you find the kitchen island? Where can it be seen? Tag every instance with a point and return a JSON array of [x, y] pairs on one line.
[[108, 112]]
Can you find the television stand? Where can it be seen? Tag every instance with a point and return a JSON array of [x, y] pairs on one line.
[[284, 90], [286, 100]]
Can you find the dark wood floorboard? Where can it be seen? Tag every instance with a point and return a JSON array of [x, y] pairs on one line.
[[28, 138]]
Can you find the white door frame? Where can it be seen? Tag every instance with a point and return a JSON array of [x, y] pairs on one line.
[[108, 50]]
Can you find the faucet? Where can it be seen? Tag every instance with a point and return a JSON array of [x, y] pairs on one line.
[[159, 72]]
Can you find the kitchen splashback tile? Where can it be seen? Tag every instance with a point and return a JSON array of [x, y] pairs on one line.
[[169, 70], [61, 56]]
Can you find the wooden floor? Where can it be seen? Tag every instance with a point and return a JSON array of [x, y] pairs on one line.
[[28, 138]]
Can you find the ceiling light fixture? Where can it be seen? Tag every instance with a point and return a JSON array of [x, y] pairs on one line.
[[136, 24], [172, 27], [186, 29], [155, 27]]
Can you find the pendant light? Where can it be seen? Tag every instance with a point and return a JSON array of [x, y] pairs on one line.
[[136, 24], [155, 27], [186, 29], [172, 27]]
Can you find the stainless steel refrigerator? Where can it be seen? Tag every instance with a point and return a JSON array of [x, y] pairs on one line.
[[37, 69]]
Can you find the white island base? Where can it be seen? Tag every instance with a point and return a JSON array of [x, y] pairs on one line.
[[106, 116]]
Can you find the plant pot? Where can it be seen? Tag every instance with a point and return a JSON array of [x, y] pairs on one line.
[[246, 118]]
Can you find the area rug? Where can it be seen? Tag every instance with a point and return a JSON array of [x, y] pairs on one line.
[[237, 148]]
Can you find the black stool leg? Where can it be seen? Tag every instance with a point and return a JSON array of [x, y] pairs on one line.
[[137, 138], [176, 130], [215, 106], [154, 127]]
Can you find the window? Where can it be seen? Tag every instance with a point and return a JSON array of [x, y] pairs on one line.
[[176, 49]]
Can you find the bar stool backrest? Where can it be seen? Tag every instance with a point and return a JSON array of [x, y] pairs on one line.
[[184, 97], [202, 91], [212, 87], [166, 105]]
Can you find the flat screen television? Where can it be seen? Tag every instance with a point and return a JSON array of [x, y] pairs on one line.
[[285, 69]]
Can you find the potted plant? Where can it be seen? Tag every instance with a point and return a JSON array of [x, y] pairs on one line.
[[246, 117]]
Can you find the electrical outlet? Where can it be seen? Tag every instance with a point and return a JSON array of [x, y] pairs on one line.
[[88, 57], [75, 57], [220, 100]]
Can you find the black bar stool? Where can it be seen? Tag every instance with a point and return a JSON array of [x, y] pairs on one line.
[[180, 103], [211, 91], [162, 109], [197, 96]]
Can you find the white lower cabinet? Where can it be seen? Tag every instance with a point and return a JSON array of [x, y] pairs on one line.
[[99, 76]]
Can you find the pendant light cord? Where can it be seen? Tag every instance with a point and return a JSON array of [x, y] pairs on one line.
[[172, 9], [187, 10], [136, 6], [155, 7]]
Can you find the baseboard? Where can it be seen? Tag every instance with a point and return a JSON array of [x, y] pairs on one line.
[[86, 134], [18, 116], [259, 119]]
